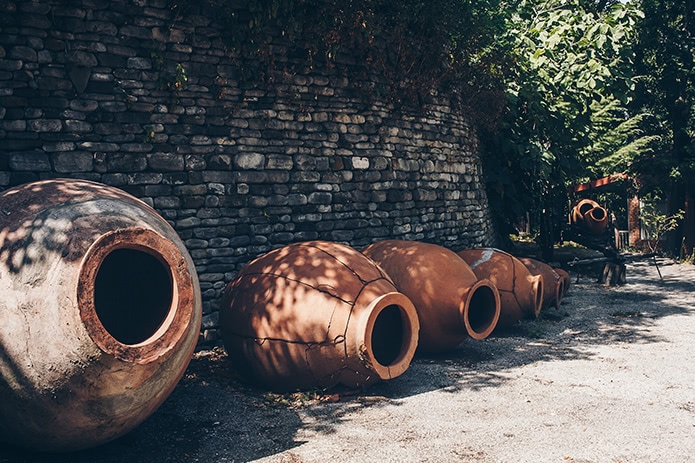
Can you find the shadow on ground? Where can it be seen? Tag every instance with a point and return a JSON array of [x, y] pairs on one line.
[[213, 417], [591, 315], [209, 417]]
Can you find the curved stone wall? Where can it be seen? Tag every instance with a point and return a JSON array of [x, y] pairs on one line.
[[126, 93]]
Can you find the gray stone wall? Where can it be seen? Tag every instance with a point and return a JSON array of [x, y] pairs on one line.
[[125, 93]]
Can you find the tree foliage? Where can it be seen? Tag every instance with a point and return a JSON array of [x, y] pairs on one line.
[[666, 90], [572, 58], [406, 51], [561, 90]]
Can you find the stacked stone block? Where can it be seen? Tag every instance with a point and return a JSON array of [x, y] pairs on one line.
[[127, 93]]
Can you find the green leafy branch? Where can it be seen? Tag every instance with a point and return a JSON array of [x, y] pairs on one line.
[[173, 80], [657, 224]]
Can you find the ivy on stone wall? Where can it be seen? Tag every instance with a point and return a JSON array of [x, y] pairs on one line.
[[404, 52]]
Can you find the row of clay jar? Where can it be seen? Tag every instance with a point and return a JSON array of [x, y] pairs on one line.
[[100, 311], [319, 314]]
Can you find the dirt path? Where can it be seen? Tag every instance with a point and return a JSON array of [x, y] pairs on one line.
[[609, 377]]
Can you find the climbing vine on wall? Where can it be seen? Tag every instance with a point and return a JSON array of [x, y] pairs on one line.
[[402, 52], [173, 81]]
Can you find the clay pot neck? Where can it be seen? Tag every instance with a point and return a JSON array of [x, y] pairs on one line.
[[481, 309], [386, 334], [132, 294], [537, 293]]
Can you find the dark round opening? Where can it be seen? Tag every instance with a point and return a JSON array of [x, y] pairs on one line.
[[584, 208], [133, 293], [598, 213], [387, 335], [481, 309]]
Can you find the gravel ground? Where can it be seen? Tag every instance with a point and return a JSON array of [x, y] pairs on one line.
[[609, 377]]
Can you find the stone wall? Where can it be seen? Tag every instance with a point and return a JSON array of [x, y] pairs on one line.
[[125, 93]]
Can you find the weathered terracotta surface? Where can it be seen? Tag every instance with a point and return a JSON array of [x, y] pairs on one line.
[[317, 314], [553, 284], [596, 220], [521, 293], [590, 215], [451, 302], [99, 314], [580, 209]]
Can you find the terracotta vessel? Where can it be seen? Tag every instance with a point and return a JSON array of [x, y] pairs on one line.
[[553, 284], [596, 220], [521, 293], [565, 278], [590, 216], [580, 209], [451, 302], [99, 314], [317, 314]]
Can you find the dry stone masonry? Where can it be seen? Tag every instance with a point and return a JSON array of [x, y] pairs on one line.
[[134, 95]]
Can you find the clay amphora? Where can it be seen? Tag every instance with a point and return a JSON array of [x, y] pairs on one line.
[[315, 315], [553, 284], [589, 215], [596, 220], [451, 302], [100, 311], [565, 278], [580, 209], [521, 293]]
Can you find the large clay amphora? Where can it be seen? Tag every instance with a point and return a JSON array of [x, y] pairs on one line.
[[553, 284], [521, 293], [317, 314], [100, 311], [451, 302]]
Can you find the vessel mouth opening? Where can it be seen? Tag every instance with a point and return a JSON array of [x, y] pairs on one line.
[[133, 295], [584, 208], [538, 287], [483, 310], [598, 213], [388, 335]]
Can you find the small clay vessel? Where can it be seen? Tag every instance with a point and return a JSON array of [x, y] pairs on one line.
[[590, 216], [100, 311], [521, 293], [580, 209], [315, 315], [565, 278], [451, 302], [553, 284], [596, 220]]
